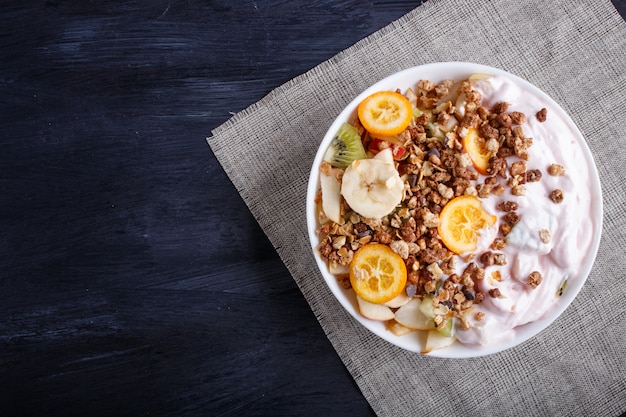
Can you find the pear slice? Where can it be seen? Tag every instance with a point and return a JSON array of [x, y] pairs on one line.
[[373, 311], [397, 328], [411, 315], [336, 268], [411, 96], [436, 340], [398, 301], [331, 194]]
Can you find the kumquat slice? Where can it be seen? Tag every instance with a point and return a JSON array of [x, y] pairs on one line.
[[377, 273], [385, 113], [460, 223]]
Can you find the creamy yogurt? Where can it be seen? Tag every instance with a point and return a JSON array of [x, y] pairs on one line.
[[570, 224]]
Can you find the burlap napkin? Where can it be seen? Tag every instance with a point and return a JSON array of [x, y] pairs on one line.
[[573, 50]]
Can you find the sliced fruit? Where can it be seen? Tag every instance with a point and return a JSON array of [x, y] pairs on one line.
[[461, 221], [427, 308], [447, 329], [377, 273], [412, 97], [331, 194], [385, 113], [398, 152], [476, 147], [411, 315], [398, 301], [345, 147], [373, 311], [477, 77], [436, 340], [433, 130], [336, 268], [397, 328], [372, 187], [461, 102], [386, 155]]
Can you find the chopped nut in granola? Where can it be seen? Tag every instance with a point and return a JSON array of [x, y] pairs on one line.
[[534, 279], [533, 175], [518, 190], [488, 258], [495, 293], [556, 170], [498, 244], [545, 235], [507, 206], [556, 196], [542, 115], [512, 218], [518, 168]]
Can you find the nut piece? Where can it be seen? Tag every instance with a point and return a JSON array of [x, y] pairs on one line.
[[534, 279], [533, 175], [518, 168], [518, 190], [507, 206], [488, 258], [542, 115], [494, 293], [545, 235], [556, 196], [500, 259], [498, 244], [497, 189], [518, 118], [512, 218], [556, 170]]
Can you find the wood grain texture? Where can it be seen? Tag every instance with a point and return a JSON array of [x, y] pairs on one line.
[[134, 281]]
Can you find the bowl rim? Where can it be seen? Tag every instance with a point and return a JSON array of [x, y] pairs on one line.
[[446, 70]]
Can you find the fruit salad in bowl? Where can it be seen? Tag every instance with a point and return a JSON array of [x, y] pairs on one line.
[[454, 209]]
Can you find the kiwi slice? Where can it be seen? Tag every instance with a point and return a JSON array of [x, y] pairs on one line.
[[345, 147]]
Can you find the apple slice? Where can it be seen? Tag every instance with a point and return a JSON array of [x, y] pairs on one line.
[[411, 315], [331, 194], [373, 311]]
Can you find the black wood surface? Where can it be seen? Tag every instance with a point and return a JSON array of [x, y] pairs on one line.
[[133, 279]]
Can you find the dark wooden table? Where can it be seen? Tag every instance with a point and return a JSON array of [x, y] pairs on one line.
[[133, 279]]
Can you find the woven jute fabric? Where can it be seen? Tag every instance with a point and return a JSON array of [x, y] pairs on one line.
[[573, 50]]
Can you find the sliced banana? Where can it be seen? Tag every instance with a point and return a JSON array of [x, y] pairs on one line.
[[372, 187]]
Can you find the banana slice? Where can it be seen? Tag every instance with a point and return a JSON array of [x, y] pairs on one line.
[[372, 187]]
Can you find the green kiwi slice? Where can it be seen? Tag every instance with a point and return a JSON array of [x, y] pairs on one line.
[[345, 147]]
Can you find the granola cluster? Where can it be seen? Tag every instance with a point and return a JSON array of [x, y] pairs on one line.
[[435, 169]]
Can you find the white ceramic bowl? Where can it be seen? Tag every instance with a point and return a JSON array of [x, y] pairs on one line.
[[415, 341]]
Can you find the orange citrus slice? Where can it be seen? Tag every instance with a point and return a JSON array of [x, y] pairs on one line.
[[377, 273], [476, 147], [385, 113], [460, 223]]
